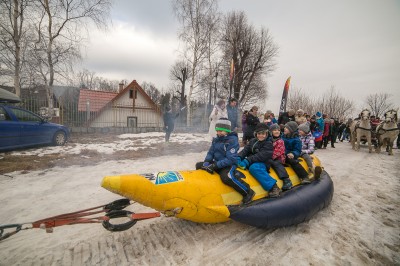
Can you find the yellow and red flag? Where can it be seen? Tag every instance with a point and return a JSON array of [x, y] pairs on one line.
[[284, 96]]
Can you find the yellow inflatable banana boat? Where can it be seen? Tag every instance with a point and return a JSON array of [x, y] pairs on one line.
[[198, 196]]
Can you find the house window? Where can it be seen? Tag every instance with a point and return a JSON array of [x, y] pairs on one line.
[[132, 121], [132, 93]]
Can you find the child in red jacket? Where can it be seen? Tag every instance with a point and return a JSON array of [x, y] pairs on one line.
[[278, 156]]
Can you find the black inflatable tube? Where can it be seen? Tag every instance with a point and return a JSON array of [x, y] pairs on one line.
[[293, 207]]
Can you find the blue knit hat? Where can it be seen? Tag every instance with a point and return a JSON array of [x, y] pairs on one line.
[[318, 114]]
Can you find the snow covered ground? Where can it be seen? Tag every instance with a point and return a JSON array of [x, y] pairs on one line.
[[360, 227]]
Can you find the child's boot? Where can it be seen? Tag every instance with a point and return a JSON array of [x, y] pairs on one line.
[[247, 199], [287, 184], [274, 192], [317, 172]]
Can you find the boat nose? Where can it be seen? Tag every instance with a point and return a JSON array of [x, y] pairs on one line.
[[111, 183]]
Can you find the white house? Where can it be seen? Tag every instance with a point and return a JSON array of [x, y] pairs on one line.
[[130, 108]]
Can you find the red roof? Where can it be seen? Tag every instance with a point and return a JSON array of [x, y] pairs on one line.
[[96, 99]]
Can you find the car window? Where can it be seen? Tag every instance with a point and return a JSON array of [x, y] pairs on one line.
[[25, 116], [3, 115]]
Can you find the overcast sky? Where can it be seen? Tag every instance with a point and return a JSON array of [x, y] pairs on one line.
[[353, 45]]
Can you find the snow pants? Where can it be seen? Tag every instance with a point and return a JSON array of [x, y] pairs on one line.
[[230, 178], [259, 171], [297, 168], [279, 169]]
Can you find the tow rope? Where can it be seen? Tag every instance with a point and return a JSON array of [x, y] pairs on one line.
[[112, 210]]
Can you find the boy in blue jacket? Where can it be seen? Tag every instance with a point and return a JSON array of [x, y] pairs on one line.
[[293, 146], [222, 158]]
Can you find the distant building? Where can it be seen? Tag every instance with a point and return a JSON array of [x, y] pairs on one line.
[[131, 107]]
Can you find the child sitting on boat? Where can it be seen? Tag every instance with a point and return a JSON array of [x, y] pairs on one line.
[[277, 161], [256, 155], [307, 149], [293, 150], [222, 158]]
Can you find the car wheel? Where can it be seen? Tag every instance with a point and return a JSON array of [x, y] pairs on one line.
[[59, 138]]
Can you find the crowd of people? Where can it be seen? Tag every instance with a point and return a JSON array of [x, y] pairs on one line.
[[267, 143]]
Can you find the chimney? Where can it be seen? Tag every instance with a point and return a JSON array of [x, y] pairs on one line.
[[121, 87]]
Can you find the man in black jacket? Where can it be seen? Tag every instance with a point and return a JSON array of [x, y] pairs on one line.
[[169, 122]]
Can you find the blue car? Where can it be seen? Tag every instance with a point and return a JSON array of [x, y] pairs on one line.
[[20, 128]]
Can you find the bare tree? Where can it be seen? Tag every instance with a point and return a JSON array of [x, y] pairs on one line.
[[180, 72], [86, 79], [60, 30], [253, 53], [298, 99], [13, 38], [335, 105], [379, 103], [152, 91], [194, 16]]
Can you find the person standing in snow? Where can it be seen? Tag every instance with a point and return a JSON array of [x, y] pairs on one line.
[[169, 122], [218, 112], [233, 114]]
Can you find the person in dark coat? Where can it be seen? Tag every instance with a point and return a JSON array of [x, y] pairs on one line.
[[169, 122], [286, 117], [222, 158], [233, 113], [252, 121]]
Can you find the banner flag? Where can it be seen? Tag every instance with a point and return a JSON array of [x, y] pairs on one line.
[[282, 109]]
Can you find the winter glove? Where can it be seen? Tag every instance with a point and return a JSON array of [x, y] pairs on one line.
[[210, 168], [239, 160], [244, 164], [206, 164]]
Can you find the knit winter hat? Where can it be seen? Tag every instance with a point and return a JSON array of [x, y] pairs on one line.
[[292, 126], [318, 114], [261, 127], [291, 112], [304, 127], [274, 127], [223, 124]]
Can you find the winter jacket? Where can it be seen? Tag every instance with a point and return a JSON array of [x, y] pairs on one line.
[[223, 150], [257, 151], [251, 123], [233, 116], [321, 124], [279, 149], [308, 144], [292, 144], [216, 114], [314, 126], [169, 121], [326, 129], [284, 118], [244, 123]]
